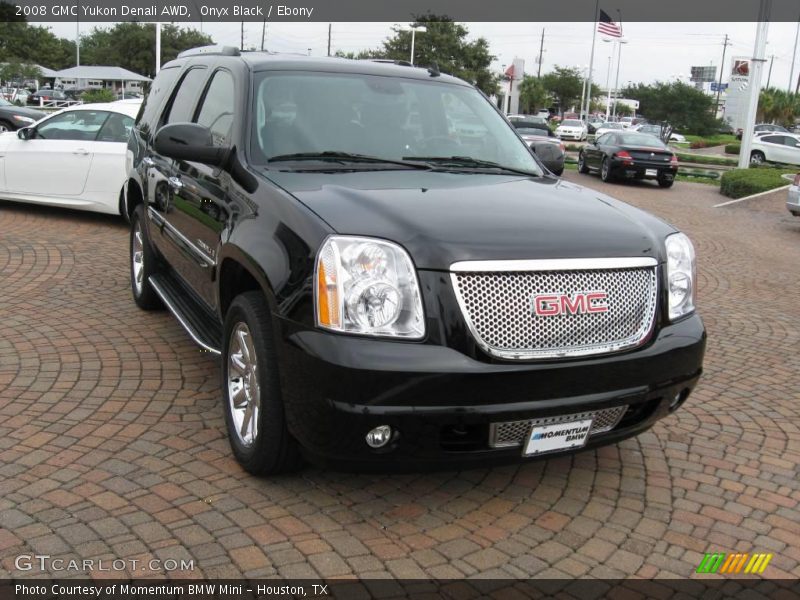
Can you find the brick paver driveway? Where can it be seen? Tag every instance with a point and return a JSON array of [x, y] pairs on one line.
[[112, 440]]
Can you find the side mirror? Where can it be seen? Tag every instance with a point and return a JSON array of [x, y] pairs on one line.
[[25, 133], [189, 141]]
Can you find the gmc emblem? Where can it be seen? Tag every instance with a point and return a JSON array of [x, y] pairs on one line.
[[550, 305]]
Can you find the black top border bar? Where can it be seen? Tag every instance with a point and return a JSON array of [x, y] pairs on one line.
[[530, 11]]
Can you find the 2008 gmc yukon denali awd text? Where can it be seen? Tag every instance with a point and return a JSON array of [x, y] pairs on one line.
[[389, 274]]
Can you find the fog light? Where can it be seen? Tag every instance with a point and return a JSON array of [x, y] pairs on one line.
[[379, 437]]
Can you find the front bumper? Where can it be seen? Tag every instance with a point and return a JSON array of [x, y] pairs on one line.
[[793, 204], [441, 402]]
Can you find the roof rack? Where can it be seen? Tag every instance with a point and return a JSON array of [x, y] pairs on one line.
[[214, 49], [402, 63]]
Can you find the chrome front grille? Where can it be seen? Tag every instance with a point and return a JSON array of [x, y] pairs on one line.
[[496, 299], [513, 433]]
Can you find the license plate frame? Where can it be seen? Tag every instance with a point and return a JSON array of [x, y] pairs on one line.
[[545, 438], [651, 172]]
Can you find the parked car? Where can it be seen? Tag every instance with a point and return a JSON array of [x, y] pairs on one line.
[[75, 93], [572, 129], [629, 155], [378, 296], [775, 147], [74, 158], [793, 200], [762, 128], [656, 131], [593, 124], [12, 117], [544, 143], [14, 94], [626, 122], [607, 127], [46, 95], [543, 113]]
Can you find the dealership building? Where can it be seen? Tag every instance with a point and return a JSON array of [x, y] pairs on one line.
[[116, 79]]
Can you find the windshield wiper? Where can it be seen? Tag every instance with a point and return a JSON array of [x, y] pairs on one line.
[[345, 157], [470, 162]]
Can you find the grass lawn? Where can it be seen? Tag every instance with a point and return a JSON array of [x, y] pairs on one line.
[[718, 139]]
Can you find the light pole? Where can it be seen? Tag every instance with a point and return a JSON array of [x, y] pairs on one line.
[[608, 78], [414, 29], [583, 70], [620, 41]]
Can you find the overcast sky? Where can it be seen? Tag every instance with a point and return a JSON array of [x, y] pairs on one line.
[[655, 51]]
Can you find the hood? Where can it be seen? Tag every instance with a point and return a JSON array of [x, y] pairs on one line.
[[22, 111], [442, 218]]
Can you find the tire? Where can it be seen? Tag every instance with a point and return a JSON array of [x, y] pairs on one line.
[[260, 440], [6, 126], [605, 171], [757, 157], [582, 168], [665, 183], [144, 263]]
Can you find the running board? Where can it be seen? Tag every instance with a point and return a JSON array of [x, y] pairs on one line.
[[202, 327]]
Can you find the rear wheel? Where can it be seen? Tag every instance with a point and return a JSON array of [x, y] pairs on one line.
[[665, 183], [757, 157], [144, 263], [254, 410], [582, 168], [605, 170]]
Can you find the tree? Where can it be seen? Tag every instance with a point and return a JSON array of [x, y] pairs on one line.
[[621, 109], [15, 71], [445, 44], [132, 45], [532, 95], [686, 108], [778, 106], [24, 43], [566, 86]]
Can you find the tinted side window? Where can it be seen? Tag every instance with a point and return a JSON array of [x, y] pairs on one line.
[[790, 141], [185, 99], [772, 139], [78, 125], [159, 89], [216, 112], [116, 128]]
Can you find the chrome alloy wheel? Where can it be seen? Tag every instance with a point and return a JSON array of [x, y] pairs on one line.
[[244, 393], [137, 256]]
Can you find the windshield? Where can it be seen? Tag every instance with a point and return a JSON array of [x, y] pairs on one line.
[[611, 126], [395, 119], [571, 124], [4, 102], [532, 131], [640, 139]]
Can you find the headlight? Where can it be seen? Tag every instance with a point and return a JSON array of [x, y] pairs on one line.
[[367, 286], [681, 275], [22, 119]]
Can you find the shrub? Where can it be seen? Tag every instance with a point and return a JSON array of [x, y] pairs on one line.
[[738, 183], [732, 148], [101, 95], [699, 144]]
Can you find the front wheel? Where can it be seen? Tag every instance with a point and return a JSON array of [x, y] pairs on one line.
[[5, 126], [757, 157], [254, 410]]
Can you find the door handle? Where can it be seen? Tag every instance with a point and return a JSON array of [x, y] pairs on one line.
[[148, 162], [175, 183], [81, 151]]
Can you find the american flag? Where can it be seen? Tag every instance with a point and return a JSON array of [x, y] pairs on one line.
[[607, 26]]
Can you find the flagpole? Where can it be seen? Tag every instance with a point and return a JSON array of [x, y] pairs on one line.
[[588, 100]]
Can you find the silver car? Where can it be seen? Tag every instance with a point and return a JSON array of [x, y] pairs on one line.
[[793, 201]]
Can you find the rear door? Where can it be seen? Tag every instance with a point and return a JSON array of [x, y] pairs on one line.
[[162, 175], [772, 146], [200, 207], [56, 160], [791, 150]]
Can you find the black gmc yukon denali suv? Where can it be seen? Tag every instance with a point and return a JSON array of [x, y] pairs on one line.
[[389, 274]]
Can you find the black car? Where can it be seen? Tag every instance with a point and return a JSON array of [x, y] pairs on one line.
[[629, 155], [13, 117], [387, 295], [544, 143]]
